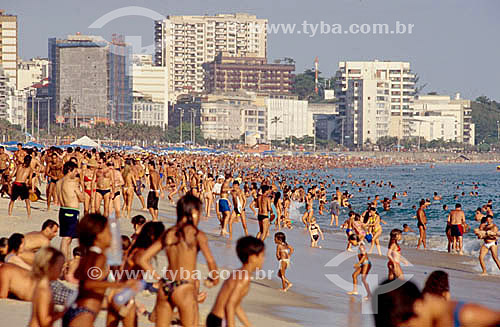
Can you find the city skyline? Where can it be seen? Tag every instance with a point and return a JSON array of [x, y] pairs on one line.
[[441, 47]]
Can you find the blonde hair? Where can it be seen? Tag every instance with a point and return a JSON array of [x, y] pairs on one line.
[[44, 259]]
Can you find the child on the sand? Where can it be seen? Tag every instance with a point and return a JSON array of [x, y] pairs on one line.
[[361, 268], [251, 252], [283, 253]]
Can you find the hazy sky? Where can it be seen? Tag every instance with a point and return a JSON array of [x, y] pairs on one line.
[[454, 45]]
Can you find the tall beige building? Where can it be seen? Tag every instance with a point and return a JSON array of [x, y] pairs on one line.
[[8, 46], [184, 43]]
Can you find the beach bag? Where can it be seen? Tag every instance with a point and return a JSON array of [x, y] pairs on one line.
[[369, 238]]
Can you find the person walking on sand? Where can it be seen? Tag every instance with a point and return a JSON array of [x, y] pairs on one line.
[[488, 232], [283, 253], [314, 233], [362, 267], [422, 224]]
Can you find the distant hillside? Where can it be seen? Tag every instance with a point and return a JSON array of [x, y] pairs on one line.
[[485, 114]]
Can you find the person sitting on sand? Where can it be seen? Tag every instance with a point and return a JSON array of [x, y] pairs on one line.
[[362, 267], [4, 248], [283, 253], [47, 267], [72, 265], [406, 306], [314, 233], [15, 247], [34, 241], [437, 284]]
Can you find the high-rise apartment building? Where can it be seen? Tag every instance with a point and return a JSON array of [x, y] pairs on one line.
[[92, 74], [150, 82], [8, 47], [382, 98], [232, 73], [184, 43]]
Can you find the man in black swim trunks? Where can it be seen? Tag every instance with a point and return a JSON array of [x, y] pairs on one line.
[[20, 188], [422, 222], [264, 204], [155, 189]]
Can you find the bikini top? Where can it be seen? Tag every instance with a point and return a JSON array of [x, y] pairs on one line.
[[456, 314]]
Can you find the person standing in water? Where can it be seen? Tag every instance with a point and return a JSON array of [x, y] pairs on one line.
[[264, 205]]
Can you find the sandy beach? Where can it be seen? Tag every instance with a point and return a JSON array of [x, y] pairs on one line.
[[314, 299]]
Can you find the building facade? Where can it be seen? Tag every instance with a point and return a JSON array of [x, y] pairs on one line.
[[93, 75], [441, 108], [150, 81], [147, 112], [232, 73], [288, 116], [184, 43], [4, 94], [386, 85], [32, 71], [9, 47]]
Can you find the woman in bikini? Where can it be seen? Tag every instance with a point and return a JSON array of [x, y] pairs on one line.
[[128, 187], [362, 267], [277, 207], [88, 170], [394, 256], [373, 222], [95, 237], [208, 197], [182, 243], [283, 253]]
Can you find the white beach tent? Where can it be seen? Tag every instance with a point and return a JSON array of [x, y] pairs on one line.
[[86, 142]]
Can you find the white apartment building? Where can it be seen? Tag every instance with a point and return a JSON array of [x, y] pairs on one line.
[[184, 43], [17, 104], [31, 71], [8, 46], [151, 81], [368, 114], [147, 112], [4, 94], [221, 121], [434, 127], [439, 106], [294, 118], [392, 81]]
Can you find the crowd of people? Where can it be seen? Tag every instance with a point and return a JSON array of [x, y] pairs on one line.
[[105, 185]]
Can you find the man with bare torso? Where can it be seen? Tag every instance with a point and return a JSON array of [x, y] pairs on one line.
[[20, 188], [104, 185], [19, 155], [54, 172], [16, 282], [34, 241], [422, 224], [70, 196], [456, 221], [154, 190], [4, 172], [488, 232], [264, 205], [239, 204]]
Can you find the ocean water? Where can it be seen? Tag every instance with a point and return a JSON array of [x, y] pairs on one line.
[[324, 274]]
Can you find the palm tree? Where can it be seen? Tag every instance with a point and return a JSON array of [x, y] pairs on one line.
[[69, 108], [275, 120]]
